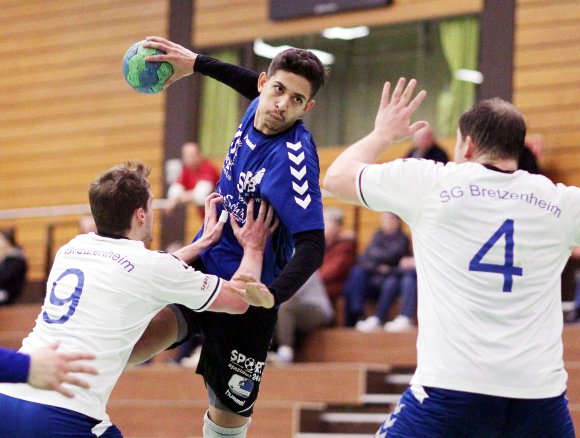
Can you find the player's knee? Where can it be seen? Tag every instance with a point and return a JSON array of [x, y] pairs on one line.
[[212, 430]]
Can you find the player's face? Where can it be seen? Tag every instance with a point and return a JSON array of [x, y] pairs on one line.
[[284, 98]]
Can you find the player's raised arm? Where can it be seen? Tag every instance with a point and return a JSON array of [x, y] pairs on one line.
[[392, 123], [185, 62]]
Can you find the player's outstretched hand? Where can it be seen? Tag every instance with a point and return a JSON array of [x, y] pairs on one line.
[[393, 121], [257, 294], [49, 369], [256, 231], [179, 57]]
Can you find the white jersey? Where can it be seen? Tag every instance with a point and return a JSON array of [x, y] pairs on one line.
[[489, 248], [101, 294]]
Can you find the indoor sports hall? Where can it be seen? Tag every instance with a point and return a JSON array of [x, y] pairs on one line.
[[67, 114]]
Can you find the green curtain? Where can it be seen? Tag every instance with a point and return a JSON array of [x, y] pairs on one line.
[[460, 44], [220, 110]]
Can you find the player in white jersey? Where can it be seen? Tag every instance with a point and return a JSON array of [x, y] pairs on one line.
[[490, 244], [102, 291]]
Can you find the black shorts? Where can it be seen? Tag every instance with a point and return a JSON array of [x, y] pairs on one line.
[[234, 353]]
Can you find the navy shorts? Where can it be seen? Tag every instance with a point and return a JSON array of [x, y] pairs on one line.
[[442, 413], [24, 419]]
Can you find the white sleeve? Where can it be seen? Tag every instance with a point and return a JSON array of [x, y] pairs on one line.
[[176, 282], [399, 186]]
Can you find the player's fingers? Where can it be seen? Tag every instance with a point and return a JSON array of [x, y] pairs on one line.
[[81, 368], [73, 380], [385, 95], [417, 100], [64, 391], [263, 210], [406, 97], [417, 125], [247, 278], [224, 215], [398, 90], [78, 356], [234, 223], [269, 215], [250, 209], [275, 224]]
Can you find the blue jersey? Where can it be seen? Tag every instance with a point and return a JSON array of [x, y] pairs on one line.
[[282, 169], [14, 366]]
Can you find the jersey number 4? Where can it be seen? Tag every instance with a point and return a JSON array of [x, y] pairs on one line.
[[508, 270]]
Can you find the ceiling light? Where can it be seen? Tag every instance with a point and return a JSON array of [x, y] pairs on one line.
[[345, 33]]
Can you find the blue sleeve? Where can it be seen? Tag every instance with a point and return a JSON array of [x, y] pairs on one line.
[[14, 366], [293, 186]]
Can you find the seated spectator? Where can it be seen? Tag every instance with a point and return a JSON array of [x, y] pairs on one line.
[[308, 310], [425, 146], [403, 283], [340, 253], [197, 180], [13, 268], [379, 260]]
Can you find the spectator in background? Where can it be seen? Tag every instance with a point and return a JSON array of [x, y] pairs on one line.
[[309, 309], [340, 253], [13, 268], [197, 180], [530, 154], [425, 146], [402, 282], [379, 260]]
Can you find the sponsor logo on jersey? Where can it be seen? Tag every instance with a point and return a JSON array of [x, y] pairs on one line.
[[246, 366], [232, 154], [249, 143], [205, 283], [248, 181], [241, 386], [298, 171]]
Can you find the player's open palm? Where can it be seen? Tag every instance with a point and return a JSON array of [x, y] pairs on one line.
[[179, 57], [257, 294], [393, 120]]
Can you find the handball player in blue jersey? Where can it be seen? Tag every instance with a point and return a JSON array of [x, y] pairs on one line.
[[272, 157]]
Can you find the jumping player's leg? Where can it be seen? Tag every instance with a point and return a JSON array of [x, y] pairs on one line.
[[220, 421]]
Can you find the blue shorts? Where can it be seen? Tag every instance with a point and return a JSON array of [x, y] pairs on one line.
[[24, 419], [442, 413]]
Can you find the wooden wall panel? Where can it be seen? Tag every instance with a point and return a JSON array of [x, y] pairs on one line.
[[220, 22], [547, 81], [67, 112]]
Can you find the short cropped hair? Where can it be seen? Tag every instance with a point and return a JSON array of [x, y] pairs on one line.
[[116, 194], [303, 63], [496, 127]]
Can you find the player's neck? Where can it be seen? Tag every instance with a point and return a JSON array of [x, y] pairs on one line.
[[506, 164]]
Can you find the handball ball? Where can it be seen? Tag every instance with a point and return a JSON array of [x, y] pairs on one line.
[[143, 76]]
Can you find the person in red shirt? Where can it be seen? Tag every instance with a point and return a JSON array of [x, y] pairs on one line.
[[197, 179]]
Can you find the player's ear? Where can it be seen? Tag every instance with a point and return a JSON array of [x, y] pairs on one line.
[[469, 150], [309, 105], [262, 80], [140, 215]]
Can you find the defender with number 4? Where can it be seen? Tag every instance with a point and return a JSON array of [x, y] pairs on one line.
[[490, 243]]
